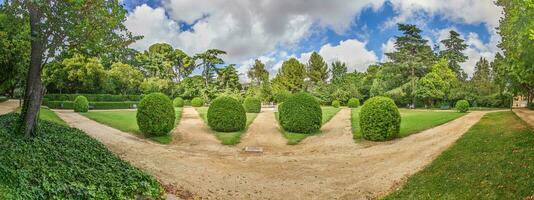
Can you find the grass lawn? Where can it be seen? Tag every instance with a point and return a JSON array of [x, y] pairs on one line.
[[49, 115], [227, 138], [493, 160], [412, 121], [125, 120], [295, 138]]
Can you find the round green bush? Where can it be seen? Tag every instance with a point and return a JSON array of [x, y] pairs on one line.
[[197, 102], [300, 113], [155, 115], [81, 104], [336, 103], [462, 106], [226, 114], [353, 103], [379, 119], [252, 105], [178, 102]]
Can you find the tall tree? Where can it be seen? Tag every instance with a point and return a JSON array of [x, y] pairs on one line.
[[454, 47], [208, 60], [157, 61], [258, 74], [183, 65], [228, 79], [482, 77], [317, 69], [339, 69], [125, 78], [291, 76], [437, 84]]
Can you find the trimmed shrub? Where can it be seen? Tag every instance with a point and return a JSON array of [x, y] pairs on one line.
[[197, 102], [353, 103], [155, 115], [300, 113], [226, 114], [462, 106], [81, 104], [379, 119], [3, 99], [178, 102], [336, 103], [252, 105], [281, 96]]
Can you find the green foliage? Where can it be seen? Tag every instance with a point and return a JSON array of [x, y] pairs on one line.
[[530, 105], [336, 103], [339, 69], [125, 78], [252, 105], [258, 74], [3, 99], [226, 114], [94, 97], [64, 163], [227, 78], [281, 96], [155, 115], [291, 76], [178, 102], [300, 113], [453, 52], [462, 106], [379, 119], [197, 102], [81, 104], [317, 69], [152, 85], [209, 60], [353, 103]]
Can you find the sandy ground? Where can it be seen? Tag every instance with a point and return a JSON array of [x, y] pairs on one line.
[[525, 114], [8, 106], [326, 166]]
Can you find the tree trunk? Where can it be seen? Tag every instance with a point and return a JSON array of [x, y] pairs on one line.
[[33, 93]]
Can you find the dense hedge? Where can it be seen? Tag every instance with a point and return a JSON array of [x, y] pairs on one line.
[[178, 102], [336, 103], [93, 97], [300, 113], [65, 163], [353, 103], [81, 104], [281, 97], [92, 105], [379, 119], [197, 102], [530, 105], [252, 105], [462, 106], [3, 99], [155, 115], [226, 114]]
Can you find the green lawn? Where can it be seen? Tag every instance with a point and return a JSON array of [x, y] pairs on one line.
[[295, 138], [412, 121], [49, 115], [493, 160], [227, 138], [125, 120]]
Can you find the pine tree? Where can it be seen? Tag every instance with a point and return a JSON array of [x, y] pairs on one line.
[[291, 76], [454, 47], [258, 74], [339, 69], [317, 69]]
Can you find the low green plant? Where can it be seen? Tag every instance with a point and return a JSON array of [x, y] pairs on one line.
[[81, 104], [197, 102], [379, 119], [178, 102], [462, 106], [252, 105], [226, 114], [300, 113], [3, 99], [353, 103], [155, 115], [336, 104], [530, 105]]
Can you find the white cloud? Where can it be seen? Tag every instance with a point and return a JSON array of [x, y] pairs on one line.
[[153, 25]]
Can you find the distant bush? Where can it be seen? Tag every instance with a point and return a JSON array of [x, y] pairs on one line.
[[197, 102], [252, 105], [81, 104], [379, 119], [2, 99], [462, 106], [353, 103], [530, 105], [300, 113], [226, 114], [281, 96], [178, 102], [94, 97], [187, 102], [336, 103], [155, 115], [92, 105]]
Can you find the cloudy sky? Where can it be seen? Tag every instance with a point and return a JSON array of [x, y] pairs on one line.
[[357, 32]]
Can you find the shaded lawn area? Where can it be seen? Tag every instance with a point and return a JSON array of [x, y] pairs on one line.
[[294, 138], [412, 121], [125, 120], [493, 160], [46, 114], [227, 138]]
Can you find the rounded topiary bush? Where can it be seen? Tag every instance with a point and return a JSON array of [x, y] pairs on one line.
[[336, 103], [178, 102], [252, 105], [155, 115], [226, 114], [81, 104], [462, 106], [300, 113], [379, 119], [197, 102], [353, 103]]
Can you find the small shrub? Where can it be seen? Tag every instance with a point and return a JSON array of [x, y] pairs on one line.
[[336, 103], [226, 114], [282, 96], [197, 102], [155, 115], [462, 106], [379, 119], [300, 113], [81, 104], [178, 102], [530, 105], [252, 105], [353, 103]]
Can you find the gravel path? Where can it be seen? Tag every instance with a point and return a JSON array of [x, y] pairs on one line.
[[8, 106], [264, 132]]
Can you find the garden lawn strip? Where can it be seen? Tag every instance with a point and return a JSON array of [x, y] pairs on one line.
[[227, 138], [49, 115]]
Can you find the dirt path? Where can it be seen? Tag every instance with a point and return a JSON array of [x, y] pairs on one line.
[[336, 132], [351, 171], [264, 132], [8, 106], [193, 131], [526, 115]]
